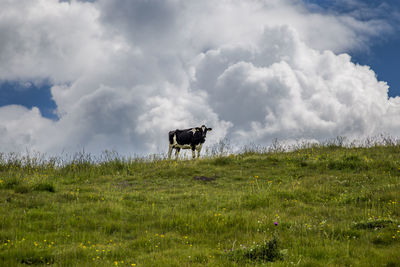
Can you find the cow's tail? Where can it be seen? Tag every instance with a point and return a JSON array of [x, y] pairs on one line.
[[171, 137]]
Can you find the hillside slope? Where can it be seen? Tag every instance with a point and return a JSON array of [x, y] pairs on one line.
[[322, 206]]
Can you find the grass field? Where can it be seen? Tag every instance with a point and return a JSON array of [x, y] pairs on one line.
[[316, 206]]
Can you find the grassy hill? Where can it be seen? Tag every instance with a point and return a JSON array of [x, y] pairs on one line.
[[320, 206]]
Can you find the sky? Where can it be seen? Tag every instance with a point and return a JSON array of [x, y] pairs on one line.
[[118, 75], [381, 55]]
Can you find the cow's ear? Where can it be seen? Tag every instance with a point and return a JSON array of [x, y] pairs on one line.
[[209, 129]]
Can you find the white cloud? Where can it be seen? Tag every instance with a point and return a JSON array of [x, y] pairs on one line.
[[127, 72], [21, 128], [48, 39]]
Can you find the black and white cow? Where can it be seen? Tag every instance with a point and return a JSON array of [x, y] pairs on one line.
[[192, 138]]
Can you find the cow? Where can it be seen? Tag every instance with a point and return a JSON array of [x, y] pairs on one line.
[[192, 138]]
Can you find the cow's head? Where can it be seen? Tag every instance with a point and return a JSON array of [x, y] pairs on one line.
[[203, 130]]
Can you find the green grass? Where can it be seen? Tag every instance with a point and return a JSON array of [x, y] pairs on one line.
[[319, 206]]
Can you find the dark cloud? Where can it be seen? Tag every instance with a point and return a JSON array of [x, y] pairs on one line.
[[147, 22]]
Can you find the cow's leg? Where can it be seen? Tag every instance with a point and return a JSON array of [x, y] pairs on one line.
[[193, 147], [177, 149], [169, 152], [198, 151]]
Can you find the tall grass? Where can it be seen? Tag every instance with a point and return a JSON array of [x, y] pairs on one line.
[[330, 204]]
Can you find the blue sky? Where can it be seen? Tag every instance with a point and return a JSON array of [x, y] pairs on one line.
[[384, 59], [28, 95]]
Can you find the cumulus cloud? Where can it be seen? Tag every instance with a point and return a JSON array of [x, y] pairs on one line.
[[296, 92], [48, 39], [21, 128], [124, 73]]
